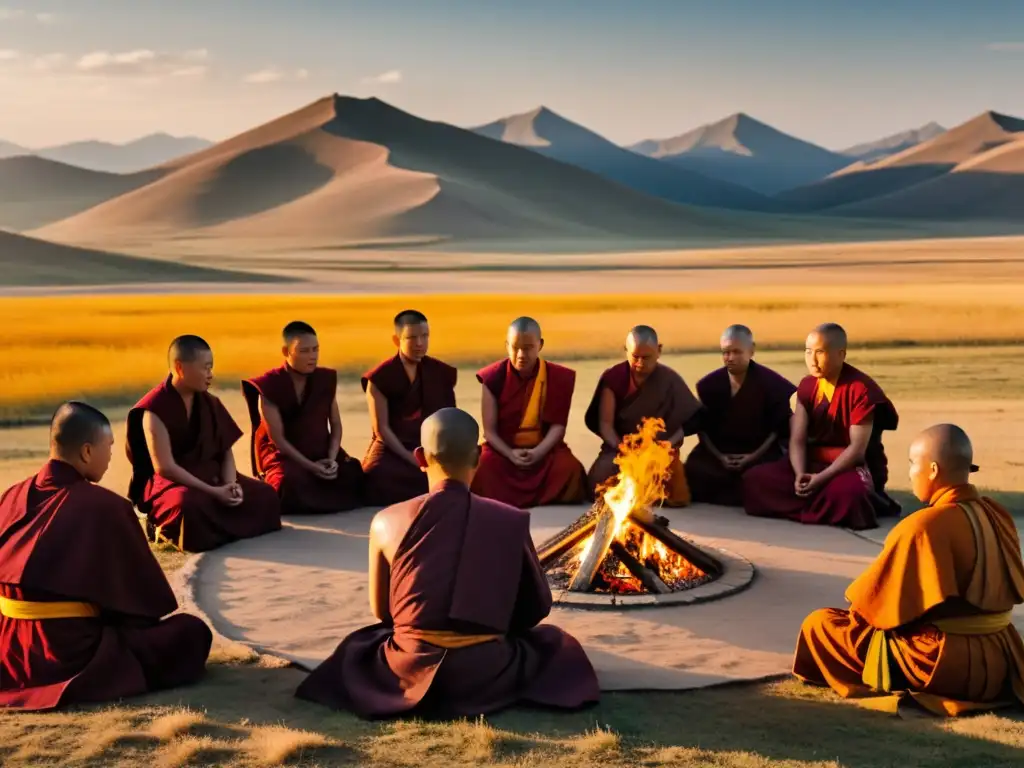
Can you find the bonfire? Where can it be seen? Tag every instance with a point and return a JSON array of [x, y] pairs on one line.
[[621, 546]]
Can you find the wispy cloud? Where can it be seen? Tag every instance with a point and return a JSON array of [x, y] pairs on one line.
[[6, 54], [1013, 47], [390, 77], [143, 62], [275, 75], [16, 14]]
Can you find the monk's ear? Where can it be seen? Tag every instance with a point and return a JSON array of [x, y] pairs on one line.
[[284, 350], [541, 344], [421, 457], [933, 470], [476, 458]]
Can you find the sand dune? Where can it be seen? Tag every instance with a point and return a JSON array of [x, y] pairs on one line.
[[344, 170], [35, 191], [742, 150], [891, 145], [552, 135]]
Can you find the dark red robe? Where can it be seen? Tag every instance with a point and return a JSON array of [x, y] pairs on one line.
[[465, 565], [738, 423], [64, 539], [307, 428], [664, 395], [559, 477], [389, 478], [198, 445], [854, 498]]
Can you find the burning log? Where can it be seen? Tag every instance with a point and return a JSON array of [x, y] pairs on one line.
[[604, 532], [666, 536], [556, 547], [651, 581]]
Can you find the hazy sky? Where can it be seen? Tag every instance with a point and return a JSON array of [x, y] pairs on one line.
[[629, 69]]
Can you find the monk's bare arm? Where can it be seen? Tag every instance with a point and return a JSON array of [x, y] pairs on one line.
[[334, 420], [798, 440], [606, 419], [379, 421], [555, 435], [380, 571], [228, 470], [763, 448], [707, 442], [159, 443], [489, 416], [852, 456], [275, 425]]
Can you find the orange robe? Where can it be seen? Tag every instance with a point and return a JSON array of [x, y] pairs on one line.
[[930, 617], [525, 414]]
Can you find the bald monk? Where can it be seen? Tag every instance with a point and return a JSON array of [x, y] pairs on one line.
[[525, 405], [836, 470], [641, 387], [930, 618], [458, 593], [183, 472], [401, 392], [296, 431], [745, 421], [82, 599]]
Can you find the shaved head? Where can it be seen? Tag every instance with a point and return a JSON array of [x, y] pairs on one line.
[[295, 329], [186, 349], [408, 317], [412, 335], [524, 342], [940, 457], [80, 435], [825, 351], [451, 437], [525, 325], [739, 334], [737, 345], [642, 334], [833, 334], [642, 352]]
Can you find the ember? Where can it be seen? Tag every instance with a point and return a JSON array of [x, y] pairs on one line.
[[620, 546]]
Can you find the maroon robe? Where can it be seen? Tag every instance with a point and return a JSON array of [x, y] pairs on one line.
[[852, 499], [664, 395], [559, 477], [390, 479], [198, 445], [465, 565], [307, 428], [738, 423], [64, 539]]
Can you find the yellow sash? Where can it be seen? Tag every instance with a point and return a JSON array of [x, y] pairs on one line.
[[33, 611], [446, 639], [529, 432], [824, 391]]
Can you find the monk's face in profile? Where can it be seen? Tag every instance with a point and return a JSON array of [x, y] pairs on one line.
[[924, 471], [736, 354], [523, 350], [196, 374], [642, 358], [412, 341], [303, 353], [823, 360], [95, 456]]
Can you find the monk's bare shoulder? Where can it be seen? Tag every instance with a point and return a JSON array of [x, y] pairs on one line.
[[390, 525]]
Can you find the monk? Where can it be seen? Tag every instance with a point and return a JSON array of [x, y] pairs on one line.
[[836, 470], [525, 405], [183, 472], [639, 388], [745, 422], [296, 431], [458, 593], [401, 392], [929, 620], [82, 599]]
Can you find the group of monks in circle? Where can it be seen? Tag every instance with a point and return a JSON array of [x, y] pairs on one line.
[[455, 583]]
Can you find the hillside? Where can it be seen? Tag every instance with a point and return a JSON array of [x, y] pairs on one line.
[[8, 149], [552, 135], [130, 157], [742, 150], [891, 145]]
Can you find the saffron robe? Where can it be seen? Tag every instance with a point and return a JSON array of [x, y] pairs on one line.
[[852, 499], [466, 567], [389, 478], [306, 427], [198, 445], [953, 563], [63, 539], [663, 395], [737, 424], [558, 478]]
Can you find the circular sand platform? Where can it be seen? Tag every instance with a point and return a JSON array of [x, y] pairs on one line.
[[296, 593]]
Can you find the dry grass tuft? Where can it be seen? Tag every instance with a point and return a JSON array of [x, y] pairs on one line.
[[598, 742], [692, 757], [230, 652], [196, 750], [169, 726], [990, 727], [278, 745]]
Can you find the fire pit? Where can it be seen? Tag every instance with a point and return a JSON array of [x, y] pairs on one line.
[[621, 553]]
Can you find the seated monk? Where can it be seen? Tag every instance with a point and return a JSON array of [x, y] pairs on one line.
[[296, 431], [641, 387], [930, 619], [183, 472], [745, 421], [459, 593], [401, 392], [82, 599], [836, 470], [525, 405]]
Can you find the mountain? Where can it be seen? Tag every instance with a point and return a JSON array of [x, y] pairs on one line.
[[133, 156], [35, 191], [742, 150], [358, 170], [897, 142], [7, 149], [552, 135], [866, 188]]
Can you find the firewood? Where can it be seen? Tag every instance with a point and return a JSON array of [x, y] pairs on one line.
[[604, 531], [651, 581], [666, 536], [556, 547]]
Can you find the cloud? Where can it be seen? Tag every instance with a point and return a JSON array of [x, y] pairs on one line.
[[6, 54], [15, 14], [385, 78], [143, 62], [9, 14], [1017, 47], [48, 62], [275, 75], [47, 18]]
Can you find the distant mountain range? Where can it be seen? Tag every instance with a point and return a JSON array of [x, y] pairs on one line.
[[130, 157], [897, 142]]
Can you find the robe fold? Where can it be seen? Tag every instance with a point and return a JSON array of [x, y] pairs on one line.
[[930, 616], [65, 540], [389, 478], [307, 428], [194, 520], [737, 424], [466, 574], [663, 395], [852, 499], [525, 414]]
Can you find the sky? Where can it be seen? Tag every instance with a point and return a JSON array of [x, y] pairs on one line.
[[628, 69]]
